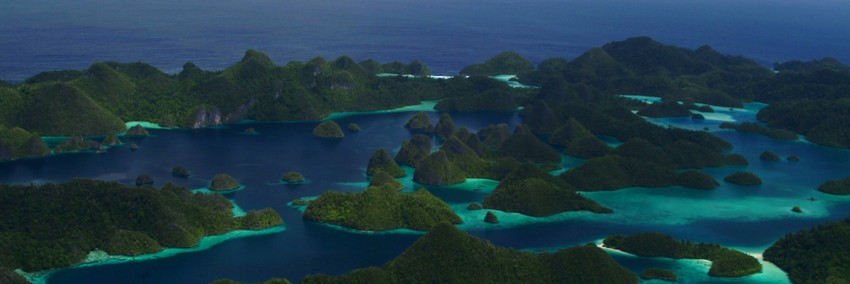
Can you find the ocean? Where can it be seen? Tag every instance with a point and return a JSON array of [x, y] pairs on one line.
[[44, 35]]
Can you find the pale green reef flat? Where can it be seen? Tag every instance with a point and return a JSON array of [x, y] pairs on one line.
[[508, 79], [145, 124], [426, 106], [207, 190], [98, 257]]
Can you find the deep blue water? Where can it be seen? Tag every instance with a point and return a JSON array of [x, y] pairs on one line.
[[746, 218], [43, 35]]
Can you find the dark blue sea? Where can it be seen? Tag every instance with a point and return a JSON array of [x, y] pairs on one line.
[[45, 35], [42, 35]]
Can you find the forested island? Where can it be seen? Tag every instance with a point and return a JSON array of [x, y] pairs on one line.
[[57, 225], [816, 255], [574, 106], [724, 262], [381, 207], [447, 255]]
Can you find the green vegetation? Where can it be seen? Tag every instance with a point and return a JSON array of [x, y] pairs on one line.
[[445, 126], [796, 209], [752, 127], [816, 255], [743, 178], [382, 179], [827, 63], [111, 140], [353, 127], [414, 150], [696, 180], [61, 109], [836, 187], [81, 215], [588, 147], [571, 131], [447, 255], [437, 170], [665, 109], [531, 191], [724, 262], [527, 147], [8, 276], [223, 182], [328, 129], [18, 143], [381, 208], [504, 63], [180, 171], [614, 172], [491, 218], [293, 177], [77, 143], [420, 122], [660, 274], [480, 94], [769, 156], [270, 281], [382, 161], [137, 131], [144, 180], [820, 120]]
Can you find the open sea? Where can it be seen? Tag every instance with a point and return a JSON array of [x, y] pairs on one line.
[[43, 35]]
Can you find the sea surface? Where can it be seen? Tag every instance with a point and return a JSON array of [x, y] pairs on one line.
[[43, 35]]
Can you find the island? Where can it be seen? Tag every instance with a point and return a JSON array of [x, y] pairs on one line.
[[769, 156], [76, 144], [659, 274], [383, 179], [353, 127], [743, 179], [814, 255], [293, 177], [328, 129], [18, 143], [420, 122], [382, 161], [380, 208], [111, 140], [724, 262], [143, 180], [180, 171], [491, 218], [223, 182], [82, 218], [448, 255], [836, 187], [752, 127], [533, 192], [137, 131]]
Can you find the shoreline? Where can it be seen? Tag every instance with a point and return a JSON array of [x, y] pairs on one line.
[[99, 257]]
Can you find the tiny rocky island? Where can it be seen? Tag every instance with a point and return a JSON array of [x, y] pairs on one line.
[[223, 182]]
